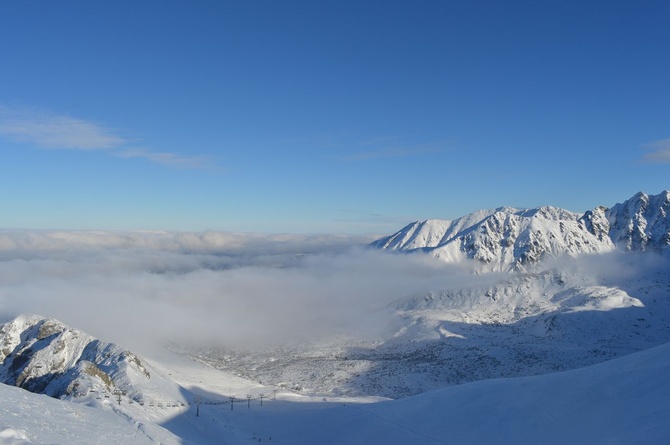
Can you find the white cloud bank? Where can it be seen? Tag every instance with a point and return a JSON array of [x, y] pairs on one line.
[[169, 159], [143, 289]]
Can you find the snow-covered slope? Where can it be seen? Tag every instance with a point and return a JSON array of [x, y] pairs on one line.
[[511, 238], [47, 357], [108, 395], [626, 400], [27, 418], [619, 401], [623, 401], [44, 356]]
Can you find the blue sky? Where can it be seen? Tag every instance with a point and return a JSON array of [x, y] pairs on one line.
[[333, 116]]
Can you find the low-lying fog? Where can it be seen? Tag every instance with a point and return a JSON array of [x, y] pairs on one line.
[[142, 289]]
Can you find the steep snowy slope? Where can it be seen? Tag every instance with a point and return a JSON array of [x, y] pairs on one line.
[[44, 356], [511, 238], [27, 418], [127, 399]]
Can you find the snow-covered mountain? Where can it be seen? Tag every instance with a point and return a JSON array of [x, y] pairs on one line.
[[641, 223], [513, 238], [42, 355]]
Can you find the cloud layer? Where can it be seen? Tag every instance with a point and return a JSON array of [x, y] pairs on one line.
[[144, 289]]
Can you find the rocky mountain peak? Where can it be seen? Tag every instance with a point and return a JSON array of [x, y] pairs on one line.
[[507, 238], [641, 222]]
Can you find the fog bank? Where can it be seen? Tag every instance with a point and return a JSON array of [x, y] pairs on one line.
[[145, 289]]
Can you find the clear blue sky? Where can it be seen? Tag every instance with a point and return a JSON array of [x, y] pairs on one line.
[[326, 116]]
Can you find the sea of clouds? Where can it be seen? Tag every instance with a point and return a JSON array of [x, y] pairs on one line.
[[144, 289]]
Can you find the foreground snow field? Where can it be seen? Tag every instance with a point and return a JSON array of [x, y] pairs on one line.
[[626, 401], [27, 418]]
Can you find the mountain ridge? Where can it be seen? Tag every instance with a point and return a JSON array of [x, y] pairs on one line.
[[45, 356], [511, 238]]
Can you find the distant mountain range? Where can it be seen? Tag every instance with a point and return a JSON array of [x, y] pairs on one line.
[[510, 238]]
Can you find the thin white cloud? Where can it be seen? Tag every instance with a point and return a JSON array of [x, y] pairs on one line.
[[207, 243], [48, 130], [397, 151], [381, 140], [169, 159], [659, 152]]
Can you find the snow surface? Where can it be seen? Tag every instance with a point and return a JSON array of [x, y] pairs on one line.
[[27, 418], [626, 400]]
